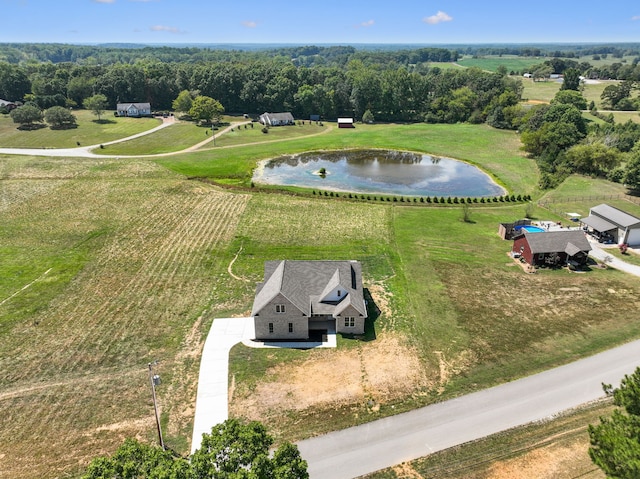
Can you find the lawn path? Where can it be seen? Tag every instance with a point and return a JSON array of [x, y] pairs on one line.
[[87, 151]]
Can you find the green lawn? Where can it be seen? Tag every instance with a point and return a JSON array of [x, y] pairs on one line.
[[492, 62], [495, 151], [544, 91], [577, 194], [90, 131], [175, 137]]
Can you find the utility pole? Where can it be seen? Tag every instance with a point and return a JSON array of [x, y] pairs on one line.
[[155, 380]]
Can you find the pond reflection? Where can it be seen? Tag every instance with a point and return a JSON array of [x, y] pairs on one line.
[[378, 171]]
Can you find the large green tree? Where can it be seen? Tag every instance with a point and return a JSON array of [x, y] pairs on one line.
[[27, 115], [59, 117], [615, 442], [632, 171], [206, 109], [96, 103], [233, 450], [183, 102], [571, 79]]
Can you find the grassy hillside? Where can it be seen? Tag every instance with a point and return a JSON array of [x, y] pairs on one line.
[[110, 264]]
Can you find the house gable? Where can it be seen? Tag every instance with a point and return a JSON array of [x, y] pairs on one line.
[[312, 291], [552, 247]]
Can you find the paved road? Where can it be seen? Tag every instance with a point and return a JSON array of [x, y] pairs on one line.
[[360, 450]]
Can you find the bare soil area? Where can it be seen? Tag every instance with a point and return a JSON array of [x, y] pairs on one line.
[[374, 373]]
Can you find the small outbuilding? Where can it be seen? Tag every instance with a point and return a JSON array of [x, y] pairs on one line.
[[345, 123], [611, 225], [552, 248], [277, 119], [8, 105], [135, 110]]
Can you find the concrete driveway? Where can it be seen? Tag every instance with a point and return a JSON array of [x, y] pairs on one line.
[[600, 254], [212, 401]]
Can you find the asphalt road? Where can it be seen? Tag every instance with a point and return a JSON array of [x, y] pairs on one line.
[[360, 450]]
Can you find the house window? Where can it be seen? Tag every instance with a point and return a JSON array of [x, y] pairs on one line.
[[270, 328], [541, 256], [349, 322], [279, 308], [291, 327]]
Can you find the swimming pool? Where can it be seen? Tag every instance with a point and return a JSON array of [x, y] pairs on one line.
[[529, 228]]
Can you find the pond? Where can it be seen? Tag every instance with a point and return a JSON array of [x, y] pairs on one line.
[[378, 171]]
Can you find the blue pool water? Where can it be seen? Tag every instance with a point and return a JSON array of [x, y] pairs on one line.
[[529, 228]]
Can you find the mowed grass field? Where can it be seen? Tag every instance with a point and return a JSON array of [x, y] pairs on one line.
[[510, 62], [90, 131], [110, 264]]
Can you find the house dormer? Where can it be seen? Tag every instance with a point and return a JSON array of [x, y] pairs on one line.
[[334, 291]]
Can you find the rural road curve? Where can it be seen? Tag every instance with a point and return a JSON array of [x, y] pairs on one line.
[[384, 443]]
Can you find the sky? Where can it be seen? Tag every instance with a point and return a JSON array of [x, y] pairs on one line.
[[310, 22]]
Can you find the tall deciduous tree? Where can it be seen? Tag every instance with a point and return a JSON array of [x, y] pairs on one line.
[[96, 103], [615, 442], [206, 109], [632, 171], [571, 79], [183, 102]]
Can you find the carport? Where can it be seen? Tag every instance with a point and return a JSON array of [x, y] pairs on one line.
[[601, 228]]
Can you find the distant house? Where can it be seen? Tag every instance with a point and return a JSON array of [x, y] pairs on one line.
[[9, 105], [552, 248], [345, 123], [277, 119], [300, 297], [610, 224], [134, 109]]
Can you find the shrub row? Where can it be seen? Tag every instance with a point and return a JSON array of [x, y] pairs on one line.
[[425, 199]]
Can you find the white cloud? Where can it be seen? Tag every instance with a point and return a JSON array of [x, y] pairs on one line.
[[437, 18], [250, 24], [164, 28], [104, 1], [636, 17], [368, 23]]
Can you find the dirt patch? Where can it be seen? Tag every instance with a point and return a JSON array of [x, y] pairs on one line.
[[406, 471], [550, 462], [374, 372], [452, 367]]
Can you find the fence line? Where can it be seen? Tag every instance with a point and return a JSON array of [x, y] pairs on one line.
[[548, 203]]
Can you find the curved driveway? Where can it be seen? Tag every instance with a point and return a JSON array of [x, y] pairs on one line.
[[87, 151]]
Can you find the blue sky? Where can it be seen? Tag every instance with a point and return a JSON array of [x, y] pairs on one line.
[[320, 21]]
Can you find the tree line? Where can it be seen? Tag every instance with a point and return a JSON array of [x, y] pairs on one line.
[[563, 142], [390, 92]]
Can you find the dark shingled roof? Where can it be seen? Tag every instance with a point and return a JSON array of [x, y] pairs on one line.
[[307, 283], [570, 241]]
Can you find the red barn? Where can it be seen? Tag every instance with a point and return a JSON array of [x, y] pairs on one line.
[[552, 248], [345, 123]]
